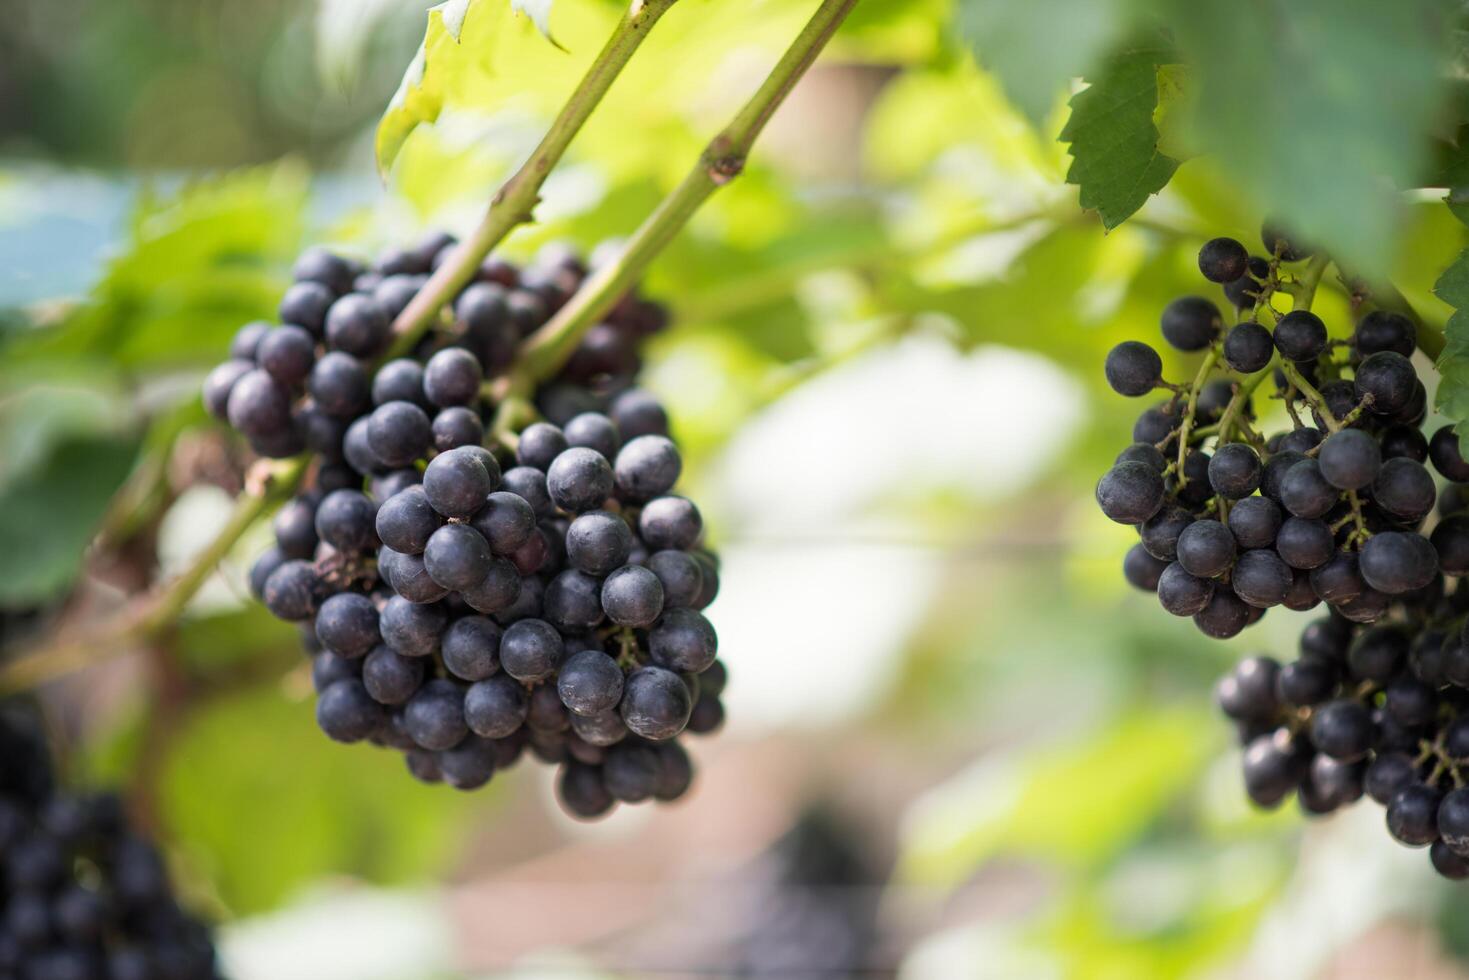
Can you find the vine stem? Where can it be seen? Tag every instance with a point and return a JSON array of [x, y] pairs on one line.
[[514, 202], [721, 162], [1205, 366], [270, 484]]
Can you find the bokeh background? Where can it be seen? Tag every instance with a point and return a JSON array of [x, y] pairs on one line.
[[956, 745]]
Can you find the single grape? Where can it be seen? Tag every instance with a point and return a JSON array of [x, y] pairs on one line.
[[1222, 260], [1191, 323], [1133, 368]]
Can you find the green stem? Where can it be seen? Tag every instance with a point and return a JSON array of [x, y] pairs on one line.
[[1305, 293], [1207, 365], [1311, 394], [513, 203], [158, 613], [721, 162]]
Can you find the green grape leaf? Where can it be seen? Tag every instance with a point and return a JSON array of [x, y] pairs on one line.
[[539, 12], [49, 514], [1452, 398], [1033, 48], [458, 53], [1116, 159], [255, 759], [1304, 75]]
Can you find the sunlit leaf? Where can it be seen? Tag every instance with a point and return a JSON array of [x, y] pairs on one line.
[[1307, 120], [1114, 140], [1034, 48]]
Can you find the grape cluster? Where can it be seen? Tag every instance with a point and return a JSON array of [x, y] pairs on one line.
[[462, 603], [82, 896], [1342, 509]]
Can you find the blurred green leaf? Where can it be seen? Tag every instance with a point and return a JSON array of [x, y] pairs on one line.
[[199, 263], [48, 515], [307, 806], [1074, 805], [1319, 109], [1034, 48], [458, 55], [1452, 397], [1114, 141]]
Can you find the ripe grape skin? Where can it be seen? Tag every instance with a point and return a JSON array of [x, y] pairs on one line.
[[598, 542], [293, 591], [1412, 815], [412, 629], [399, 433], [638, 413], [540, 443], [1243, 293], [1394, 562], [1338, 579], [573, 601], [358, 325], [1342, 729], [287, 354], [1277, 243], [346, 712], [531, 650], [347, 624], [1234, 471], [680, 575], [1248, 347], [632, 596], [399, 380], [1387, 378], [434, 716], [455, 427], [458, 482], [1272, 769], [1381, 330], [1404, 488], [594, 431], [655, 703], [579, 479], [1254, 521], [452, 377], [1305, 492], [670, 522], [258, 405], [468, 765], [1300, 336], [683, 640], [1206, 549], [470, 647], [1222, 260], [506, 520], [295, 528], [1260, 578], [1183, 594], [496, 707], [1443, 450], [406, 521], [590, 683], [1349, 460], [529, 484], [499, 590], [1130, 493], [391, 678], [1224, 616], [1191, 323], [1133, 368], [347, 520], [339, 385], [582, 792], [1141, 570], [646, 467], [457, 557], [1303, 543], [305, 304]]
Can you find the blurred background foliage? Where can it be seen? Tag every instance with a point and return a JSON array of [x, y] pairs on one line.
[[885, 373]]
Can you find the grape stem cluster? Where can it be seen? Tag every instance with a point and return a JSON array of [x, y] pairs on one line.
[[541, 355]]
